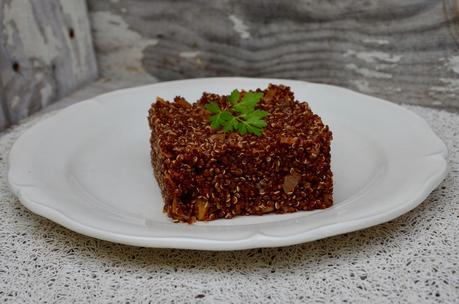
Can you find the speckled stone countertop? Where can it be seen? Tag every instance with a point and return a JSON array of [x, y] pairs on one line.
[[412, 259]]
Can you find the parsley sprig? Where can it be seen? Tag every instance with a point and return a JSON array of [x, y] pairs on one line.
[[240, 116]]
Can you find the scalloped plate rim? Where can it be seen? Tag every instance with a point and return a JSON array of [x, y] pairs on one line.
[[256, 239]]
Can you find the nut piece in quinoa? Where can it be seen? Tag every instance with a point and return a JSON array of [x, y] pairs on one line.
[[206, 174]]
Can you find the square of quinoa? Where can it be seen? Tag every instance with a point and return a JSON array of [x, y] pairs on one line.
[[205, 174]]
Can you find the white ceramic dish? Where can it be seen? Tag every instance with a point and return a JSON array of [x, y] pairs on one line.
[[88, 169]]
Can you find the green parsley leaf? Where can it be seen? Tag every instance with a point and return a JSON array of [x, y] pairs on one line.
[[220, 119], [231, 125], [241, 116], [212, 107], [225, 115], [242, 129], [248, 102], [255, 120], [254, 130], [215, 122], [234, 97]]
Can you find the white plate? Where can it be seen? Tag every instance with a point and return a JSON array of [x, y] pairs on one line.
[[88, 169]]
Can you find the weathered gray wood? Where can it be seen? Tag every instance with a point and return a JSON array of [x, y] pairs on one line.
[[404, 51], [105, 85], [101, 86], [46, 51], [4, 121]]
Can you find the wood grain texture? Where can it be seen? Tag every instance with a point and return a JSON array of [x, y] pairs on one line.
[[4, 121], [46, 51], [404, 51]]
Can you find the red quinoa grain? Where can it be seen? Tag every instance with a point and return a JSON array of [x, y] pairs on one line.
[[206, 174]]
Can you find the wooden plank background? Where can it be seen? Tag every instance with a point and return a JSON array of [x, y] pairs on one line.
[[4, 121], [46, 51], [404, 51]]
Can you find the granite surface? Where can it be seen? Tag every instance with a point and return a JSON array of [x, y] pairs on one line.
[[412, 259]]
